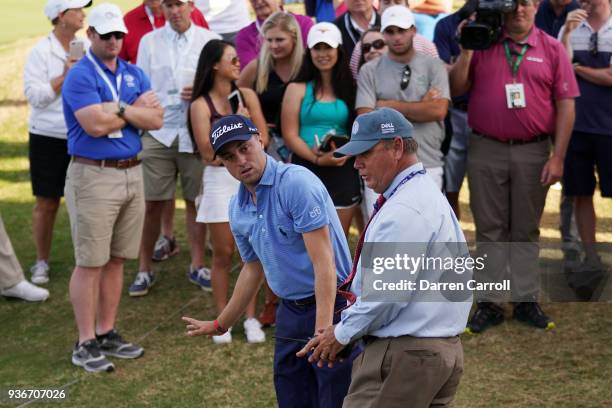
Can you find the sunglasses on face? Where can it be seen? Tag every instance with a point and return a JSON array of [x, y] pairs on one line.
[[117, 34], [405, 77], [235, 60], [376, 44], [593, 43]]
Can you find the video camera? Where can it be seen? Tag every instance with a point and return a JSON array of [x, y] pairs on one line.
[[483, 32]]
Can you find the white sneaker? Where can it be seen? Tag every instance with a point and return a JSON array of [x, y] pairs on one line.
[[225, 338], [252, 329], [40, 272], [26, 291]]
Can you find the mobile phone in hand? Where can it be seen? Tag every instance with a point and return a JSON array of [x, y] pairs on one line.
[[77, 49], [339, 140], [235, 100]]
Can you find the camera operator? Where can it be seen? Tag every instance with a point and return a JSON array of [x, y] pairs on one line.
[[522, 92]]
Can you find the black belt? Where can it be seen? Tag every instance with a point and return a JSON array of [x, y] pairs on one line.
[[535, 139], [462, 106], [310, 300]]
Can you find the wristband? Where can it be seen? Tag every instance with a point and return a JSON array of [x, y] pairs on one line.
[[218, 327]]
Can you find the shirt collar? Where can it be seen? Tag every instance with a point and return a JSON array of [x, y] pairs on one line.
[[120, 65], [606, 26], [173, 36], [370, 24], [400, 176], [532, 37], [267, 179], [56, 47]]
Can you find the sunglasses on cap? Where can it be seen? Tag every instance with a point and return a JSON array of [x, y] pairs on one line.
[[376, 44], [117, 34]]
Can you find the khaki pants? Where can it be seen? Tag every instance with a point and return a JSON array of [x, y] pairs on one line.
[[406, 372], [507, 201], [10, 269]]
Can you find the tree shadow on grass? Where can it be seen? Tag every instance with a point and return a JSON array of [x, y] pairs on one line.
[[15, 176], [13, 149]]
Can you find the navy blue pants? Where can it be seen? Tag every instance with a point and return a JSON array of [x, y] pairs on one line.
[[299, 383]]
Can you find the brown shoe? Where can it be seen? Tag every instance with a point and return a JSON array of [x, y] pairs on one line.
[[267, 317]]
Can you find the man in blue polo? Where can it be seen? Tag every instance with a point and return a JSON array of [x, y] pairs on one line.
[[106, 102], [285, 224]]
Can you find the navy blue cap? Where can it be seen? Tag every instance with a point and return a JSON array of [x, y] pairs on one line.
[[372, 127], [229, 129]]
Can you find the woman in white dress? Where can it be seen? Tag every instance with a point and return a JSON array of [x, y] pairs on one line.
[[215, 95]]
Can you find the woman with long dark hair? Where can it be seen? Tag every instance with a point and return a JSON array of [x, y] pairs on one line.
[[215, 95], [318, 105]]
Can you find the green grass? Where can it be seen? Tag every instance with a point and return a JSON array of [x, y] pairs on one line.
[[22, 19], [510, 366]]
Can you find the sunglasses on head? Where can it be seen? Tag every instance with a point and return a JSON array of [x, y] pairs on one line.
[[117, 34], [593, 43], [376, 44], [405, 77]]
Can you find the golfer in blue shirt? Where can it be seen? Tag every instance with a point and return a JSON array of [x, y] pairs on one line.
[[285, 226]]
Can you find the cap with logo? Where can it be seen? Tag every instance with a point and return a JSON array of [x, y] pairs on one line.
[[326, 33], [54, 8], [372, 127], [107, 18], [229, 129], [398, 16]]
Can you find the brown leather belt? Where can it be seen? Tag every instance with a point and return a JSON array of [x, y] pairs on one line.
[[113, 163], [535, 139]]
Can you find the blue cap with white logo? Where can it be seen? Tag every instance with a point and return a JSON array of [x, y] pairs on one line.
[[229, 129], [372, 127]]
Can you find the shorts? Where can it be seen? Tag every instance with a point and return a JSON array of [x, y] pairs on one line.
[[106, 209], [49, 161], [342, 183], [587, 151], [219, 187], [160, 167]]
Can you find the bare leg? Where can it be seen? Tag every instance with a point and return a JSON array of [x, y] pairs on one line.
[[150, 233], [84, 289], [346, 215], [359, 219], [196, 234], [167, 219], [222, 242], [43, 219], [453, 200], [587, 222], [111, 284]]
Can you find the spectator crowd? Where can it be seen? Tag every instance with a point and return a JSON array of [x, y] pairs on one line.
[[148, 99]]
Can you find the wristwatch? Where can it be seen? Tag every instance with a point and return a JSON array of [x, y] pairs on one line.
[[121, 110]]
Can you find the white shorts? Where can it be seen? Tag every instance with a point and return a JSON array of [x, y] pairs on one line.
[[218, 188]]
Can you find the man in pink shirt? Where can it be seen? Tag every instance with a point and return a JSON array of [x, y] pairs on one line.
[[144, 19], [522, 92], [250, 39]]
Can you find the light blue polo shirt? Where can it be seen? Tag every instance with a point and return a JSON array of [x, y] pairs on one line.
[[83, 87], [290, 201]]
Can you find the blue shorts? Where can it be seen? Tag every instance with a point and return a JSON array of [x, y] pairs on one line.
[[585, 153]]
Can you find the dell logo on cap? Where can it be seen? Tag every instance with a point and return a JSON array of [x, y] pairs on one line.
[[387, 128]]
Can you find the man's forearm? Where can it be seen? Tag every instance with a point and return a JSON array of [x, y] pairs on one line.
[[144, 118], [564, 122], [248, 284], [325, 294], [423, 111], [459, 74], [598, 76]]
